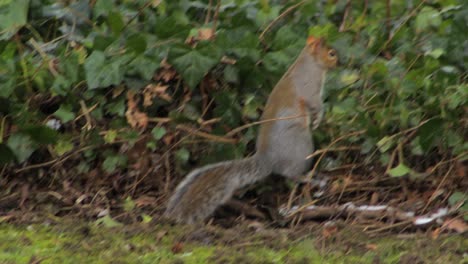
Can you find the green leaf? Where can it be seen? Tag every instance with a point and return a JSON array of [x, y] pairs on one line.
[[429, 132], [101, 72], [231, 74], [41, 134], [158, 132], [111, 162], [110, 136], [13, 16], [143, 65], [400, 170], [456, 198], [137, 43], [115, 22], [194, 64], [145, 219], [128, 205], [6, 154], [426, 18], [63, 146], [108, 222], [22, 146], [385, 143], [65, 113], [182, 155]]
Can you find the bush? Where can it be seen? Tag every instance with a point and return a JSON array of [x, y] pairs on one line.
[[79, 75]]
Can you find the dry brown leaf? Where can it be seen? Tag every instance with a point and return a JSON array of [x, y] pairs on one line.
[[157, 90], [166, 72], [456, 225], [372, 247], [134, 117], [168, 139], [144, 201], [435, 234], [177, 247], [228, 60], [461, 169], [205, 34], [328, 231]]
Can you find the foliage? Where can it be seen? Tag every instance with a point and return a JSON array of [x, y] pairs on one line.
[[66, 70]]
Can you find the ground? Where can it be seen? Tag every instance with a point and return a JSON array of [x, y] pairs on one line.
[[77, 241]]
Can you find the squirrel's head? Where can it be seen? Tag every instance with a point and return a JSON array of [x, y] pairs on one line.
[[325, 55]]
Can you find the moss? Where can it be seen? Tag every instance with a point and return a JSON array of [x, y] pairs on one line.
[[86, 243]]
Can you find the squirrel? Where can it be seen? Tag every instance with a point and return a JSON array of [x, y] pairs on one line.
[[282, 145]]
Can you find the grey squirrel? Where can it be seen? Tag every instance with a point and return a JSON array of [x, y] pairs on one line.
[[282, 145]]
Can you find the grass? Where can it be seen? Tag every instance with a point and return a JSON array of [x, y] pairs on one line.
[[69, 242]]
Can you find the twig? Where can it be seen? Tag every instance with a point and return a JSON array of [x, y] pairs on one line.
[[387, 20], [85, 111], [208, 13], [287, 11], [211, 137], [345, 16], [215, 18], [412, 13], [238, 129], [321, 151], [167, 165], [437, 189]]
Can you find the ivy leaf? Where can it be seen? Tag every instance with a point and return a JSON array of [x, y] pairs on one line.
[[158, 132], [41, 134], [6, 154], [63, 146], [400, 170], [195, 63], [182, 155], [108, 222], [65, 113], [136, 43], [101, 72], [22, 146], [115, 22], [14, 15], [429, 132], [145, 66], [426, 18], [113, 161], [456, 197], [129, 205]]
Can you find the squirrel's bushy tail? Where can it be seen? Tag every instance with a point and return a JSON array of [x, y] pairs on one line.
[[206, 188]]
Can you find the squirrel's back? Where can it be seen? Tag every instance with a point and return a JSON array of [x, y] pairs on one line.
[[204, 189]]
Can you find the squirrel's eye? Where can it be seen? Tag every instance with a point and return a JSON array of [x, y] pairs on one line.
[[331, 53]]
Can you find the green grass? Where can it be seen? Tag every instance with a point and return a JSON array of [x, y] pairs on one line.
[[88, 243]]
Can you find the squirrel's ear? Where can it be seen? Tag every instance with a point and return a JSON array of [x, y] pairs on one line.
[[311, 40], [314, 42]]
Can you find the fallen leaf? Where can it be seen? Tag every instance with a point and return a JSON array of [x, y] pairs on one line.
[[372, 247], [166, 72], [160, 235], [134, 117], [460, 169], [205, 34], [177, 247], [456, 225], [328, 231], [435, 234], [152, 91], [144, 201]]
